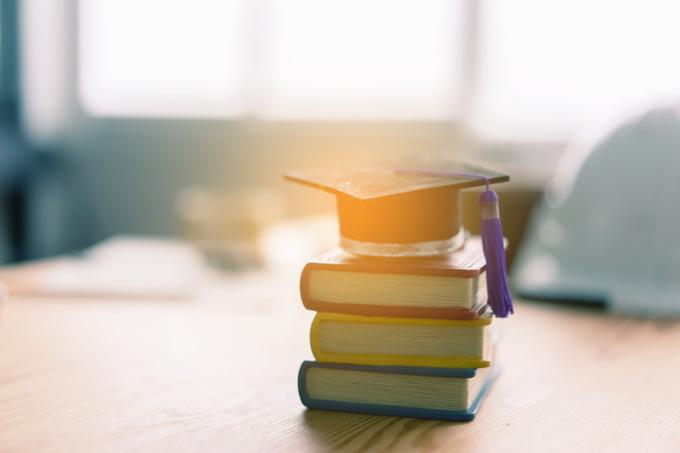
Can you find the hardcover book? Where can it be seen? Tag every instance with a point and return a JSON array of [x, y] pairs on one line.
[[375, 340], [448, 287], [437, 393]]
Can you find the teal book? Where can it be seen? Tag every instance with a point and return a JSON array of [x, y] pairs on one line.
[[420, 392]]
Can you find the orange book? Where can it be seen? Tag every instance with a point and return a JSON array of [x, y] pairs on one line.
[[446, 287]]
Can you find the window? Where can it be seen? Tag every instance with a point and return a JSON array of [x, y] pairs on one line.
[[358, 58], [549, 68], [544, 69], [282, 59], [162, 57]]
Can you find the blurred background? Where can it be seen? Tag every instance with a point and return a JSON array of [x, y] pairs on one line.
[[178, 117]]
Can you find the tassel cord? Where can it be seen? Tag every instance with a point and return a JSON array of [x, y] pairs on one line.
[[498, 291]]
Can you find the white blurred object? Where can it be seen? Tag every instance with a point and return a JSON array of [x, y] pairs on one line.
[[226, 226], [120, 267], [289, 244], [610, 228]]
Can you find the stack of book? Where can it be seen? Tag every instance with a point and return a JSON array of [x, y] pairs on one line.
[[399, 336]]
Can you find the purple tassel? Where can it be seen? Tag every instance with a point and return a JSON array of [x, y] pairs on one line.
[[494, 252], [492, 241]]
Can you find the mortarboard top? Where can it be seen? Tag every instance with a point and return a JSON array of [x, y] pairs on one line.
[[389, 208]]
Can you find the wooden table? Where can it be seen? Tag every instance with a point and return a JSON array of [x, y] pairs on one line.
[[219, 374]]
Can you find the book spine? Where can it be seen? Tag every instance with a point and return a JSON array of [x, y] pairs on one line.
[[304, 287], [400, 411], [380, 310], [388, 359]]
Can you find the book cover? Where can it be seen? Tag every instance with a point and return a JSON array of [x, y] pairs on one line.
[[395, 404], [447, 287], [393, 341]]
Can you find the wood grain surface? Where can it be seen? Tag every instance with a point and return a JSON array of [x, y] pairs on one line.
[[218, 374]]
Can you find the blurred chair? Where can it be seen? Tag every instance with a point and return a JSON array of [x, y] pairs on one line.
[[16, 158], [16, 166]]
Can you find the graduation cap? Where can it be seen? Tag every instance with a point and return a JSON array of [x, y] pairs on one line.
[[401, 212]]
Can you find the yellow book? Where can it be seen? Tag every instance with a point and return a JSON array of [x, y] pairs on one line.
[[375, 340]]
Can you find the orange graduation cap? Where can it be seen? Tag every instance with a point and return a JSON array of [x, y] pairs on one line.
[[399, 212], [404, 211]]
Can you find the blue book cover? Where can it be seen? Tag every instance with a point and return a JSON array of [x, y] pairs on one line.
[[473, 384]]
